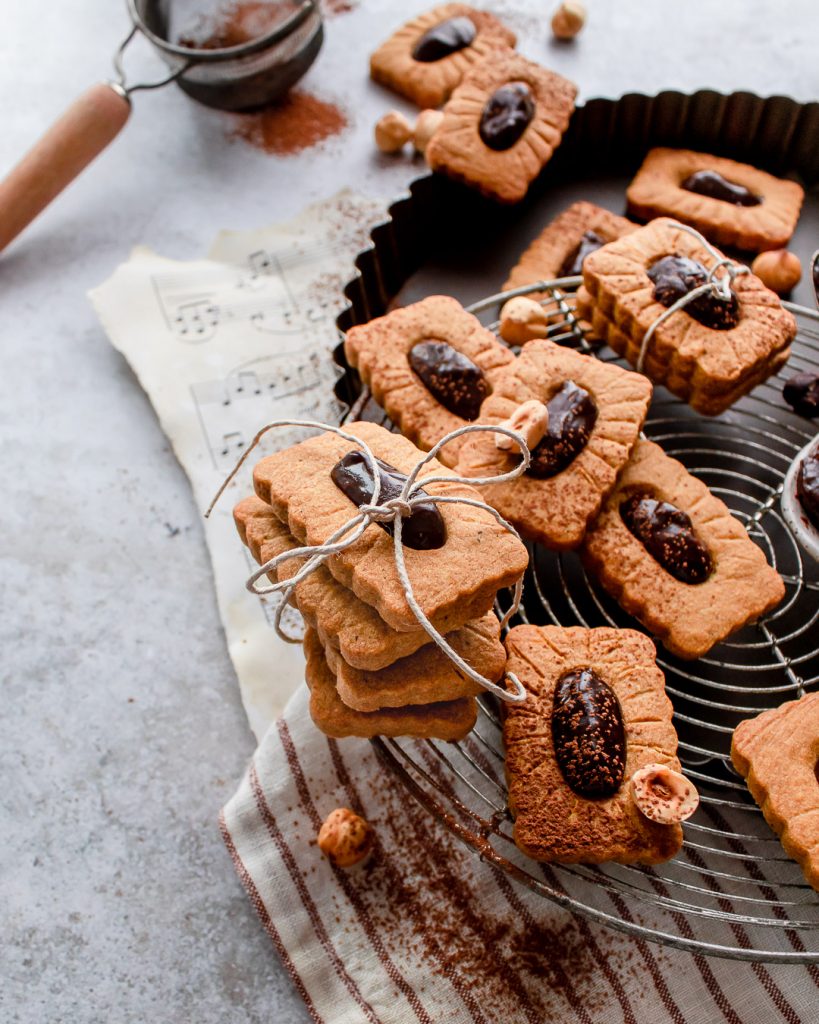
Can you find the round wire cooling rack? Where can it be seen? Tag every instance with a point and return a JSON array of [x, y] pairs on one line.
[[732, 891]]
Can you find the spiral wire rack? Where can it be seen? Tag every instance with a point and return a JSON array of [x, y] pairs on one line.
[[732, 891]]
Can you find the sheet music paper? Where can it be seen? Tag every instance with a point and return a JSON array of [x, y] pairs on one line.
[[222, 346]]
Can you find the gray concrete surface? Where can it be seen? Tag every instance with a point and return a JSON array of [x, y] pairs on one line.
[[121, 731]]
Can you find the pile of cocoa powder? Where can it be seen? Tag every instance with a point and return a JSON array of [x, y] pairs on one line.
[[295, 123]]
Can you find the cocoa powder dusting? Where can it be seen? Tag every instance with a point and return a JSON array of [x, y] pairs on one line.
[[236, 23], [245, 20], [508, 955], [296, 123], [331, 8]]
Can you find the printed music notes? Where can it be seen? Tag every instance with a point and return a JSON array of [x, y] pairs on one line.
[[223, 346], [195, 321], [232, 409], [260, 263], [232, 442], [247, 382]]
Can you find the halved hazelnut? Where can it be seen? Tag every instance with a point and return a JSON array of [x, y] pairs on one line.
[[523, 320], [392, 132], [531, 420], [663, 794]]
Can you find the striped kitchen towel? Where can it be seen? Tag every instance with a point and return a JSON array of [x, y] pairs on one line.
[[426, 932]]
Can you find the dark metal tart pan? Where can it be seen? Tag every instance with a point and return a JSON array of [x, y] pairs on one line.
[[732, 891]]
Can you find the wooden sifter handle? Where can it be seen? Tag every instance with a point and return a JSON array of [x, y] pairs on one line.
[[92, 121]]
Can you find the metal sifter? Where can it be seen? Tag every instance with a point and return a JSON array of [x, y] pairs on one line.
[[252, 73]]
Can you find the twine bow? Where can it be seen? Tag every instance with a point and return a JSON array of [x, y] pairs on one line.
[[394, 511], [719, 287]]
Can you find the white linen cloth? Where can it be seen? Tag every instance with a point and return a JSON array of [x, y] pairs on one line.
[[427, 932]]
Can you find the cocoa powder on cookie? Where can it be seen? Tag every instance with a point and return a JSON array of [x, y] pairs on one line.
[[688, 618], [558, 244], [596, 411], [596, 712], [731, 203], [427, 57], [429, 365], [501, 125]]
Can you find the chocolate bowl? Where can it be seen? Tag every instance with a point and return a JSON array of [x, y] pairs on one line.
[[795, 516], [732, 892]]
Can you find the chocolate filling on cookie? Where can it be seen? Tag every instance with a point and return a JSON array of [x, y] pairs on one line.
[[423, 530], [667, 533], [450, 377], [675, 276], [572, 416], [801, 392], [807, 485], [443, 39], [573, 264], [713, 185], [507, 115], [588, 734]]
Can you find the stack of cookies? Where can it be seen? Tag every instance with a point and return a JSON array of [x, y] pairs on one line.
[[709, 353], [371, 668]]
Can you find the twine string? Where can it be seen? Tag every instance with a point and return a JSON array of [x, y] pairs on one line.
[[394, 510], [718, 286]]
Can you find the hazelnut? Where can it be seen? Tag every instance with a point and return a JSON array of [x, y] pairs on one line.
[[345, 838], [531, 420], [778, 269], [522, 320], [425, 127], [568, 20], [392, 132], [663, 795]]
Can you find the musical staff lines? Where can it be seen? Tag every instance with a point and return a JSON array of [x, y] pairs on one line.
[[232, 409], [197, 303], [195, 316]]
